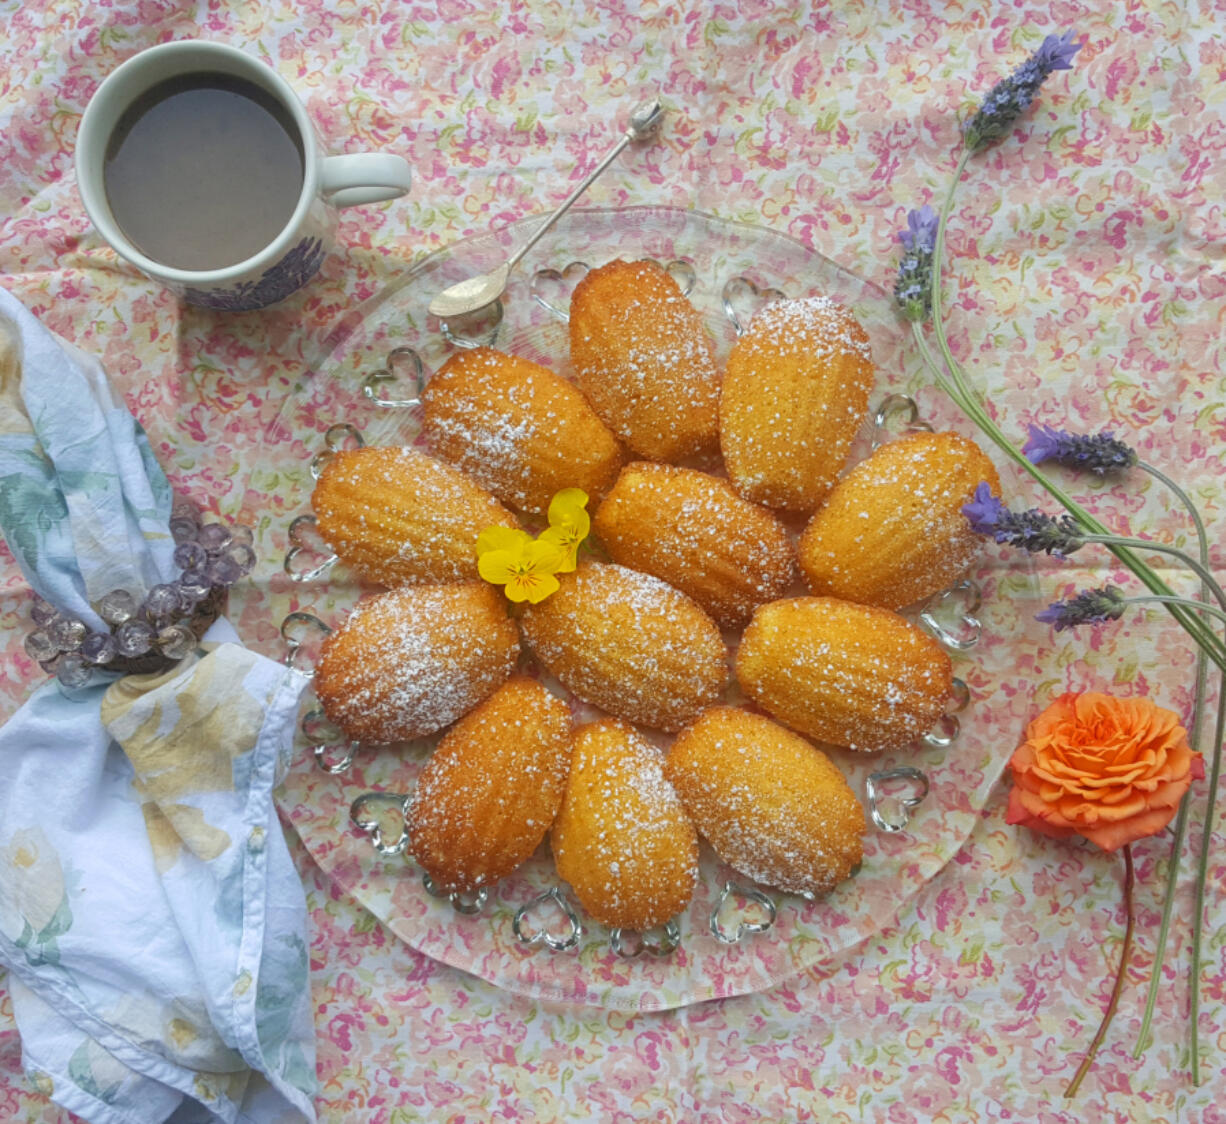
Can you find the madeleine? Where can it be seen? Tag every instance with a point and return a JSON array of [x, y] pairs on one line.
[[622, 839], [408, 662], [892, 532], [492, 788], [693, 531], [517, 429], [770, 804], [844, 674], [795, 392], [642, 358]]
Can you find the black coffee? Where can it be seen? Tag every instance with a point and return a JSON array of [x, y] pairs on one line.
[[203, 171]]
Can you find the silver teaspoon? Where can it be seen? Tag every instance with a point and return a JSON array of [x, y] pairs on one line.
[[476, 292]]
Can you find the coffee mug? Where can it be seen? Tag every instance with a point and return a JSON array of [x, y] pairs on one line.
[[284, 257]]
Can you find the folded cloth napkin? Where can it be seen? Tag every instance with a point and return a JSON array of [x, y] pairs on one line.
[[151, 919]]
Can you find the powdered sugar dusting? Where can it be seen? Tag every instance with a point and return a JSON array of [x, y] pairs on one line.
[[892, 531], [795, 391], [492, 788], [642, 357], [409, 662], [847, 675], [629, 643], [622, 839], [693, 531], [398, 516], [772, 806]]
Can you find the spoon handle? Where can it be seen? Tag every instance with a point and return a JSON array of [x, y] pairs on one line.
[[652, 112]]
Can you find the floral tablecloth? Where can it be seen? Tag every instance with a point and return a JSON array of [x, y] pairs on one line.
[[1089, 255]]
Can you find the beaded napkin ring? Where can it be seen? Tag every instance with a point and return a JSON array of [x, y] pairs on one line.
[[154, 633]]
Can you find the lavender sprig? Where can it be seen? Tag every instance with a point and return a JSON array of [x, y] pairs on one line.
[[1090, 606], [1099, 454], [1032, 530], [913, 289], [1012, 96]]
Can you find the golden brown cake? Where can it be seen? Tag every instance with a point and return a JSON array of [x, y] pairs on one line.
[[642, 357], [517, 429], [770, 804], [795, 392], [892, 531], [844, 674], [409, 662], [695, 532], [630, 644], [622, 840], [398, 516], [490, 791]]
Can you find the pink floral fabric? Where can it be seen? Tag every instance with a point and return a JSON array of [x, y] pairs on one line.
[[1086, 293]]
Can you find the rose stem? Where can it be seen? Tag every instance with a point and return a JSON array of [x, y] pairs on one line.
[[1088, 1060]]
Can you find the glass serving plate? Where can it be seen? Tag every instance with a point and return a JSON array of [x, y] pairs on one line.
[[727, 944]]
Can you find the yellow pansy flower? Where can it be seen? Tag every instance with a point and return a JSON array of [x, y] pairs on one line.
[[569, 524], [523, 565]]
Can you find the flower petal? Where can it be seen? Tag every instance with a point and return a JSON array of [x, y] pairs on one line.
[[499, 537]]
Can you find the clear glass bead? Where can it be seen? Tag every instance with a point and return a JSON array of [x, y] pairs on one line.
[[67, 632], [39, 646], [196, 583], [190, 555], [72, 670], [162, 601], [43, 612], [188, 598], [176, 641], [214, 537], [99, 648], [223, 571], [183, 508], [242, 534], [184, 529], [242, 556], [117, 606], [133, 638]]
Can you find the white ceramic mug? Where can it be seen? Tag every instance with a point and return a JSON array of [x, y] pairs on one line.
[[294, 256]]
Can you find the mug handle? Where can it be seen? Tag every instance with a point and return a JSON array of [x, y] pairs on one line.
[[363, 177]]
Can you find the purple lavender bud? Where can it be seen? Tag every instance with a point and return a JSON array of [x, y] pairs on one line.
[[1099, 454], [39, 646], [133, 638], [1031, 530], [1091, 606], [223, 571], [984, 511], [183, 529], [913, 287], [117, 606], [176, 641], [99, 648], [72, 670], [921, 232], [43, 612], [162, 601], [214, 537], [190, 555], [67, 633], [1012, 96]]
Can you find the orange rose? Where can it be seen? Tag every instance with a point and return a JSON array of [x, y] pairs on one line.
[[1112, 770]]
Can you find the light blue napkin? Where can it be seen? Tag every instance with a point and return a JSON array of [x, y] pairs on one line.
[[150, 915]]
